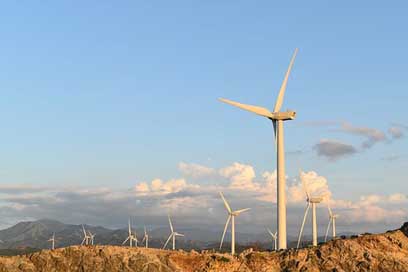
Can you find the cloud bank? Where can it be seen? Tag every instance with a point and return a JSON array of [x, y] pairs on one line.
[[194, 203]]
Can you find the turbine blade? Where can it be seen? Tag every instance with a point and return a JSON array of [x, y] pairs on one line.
[[226, 203], [225, 230], [144, 238], [171, 225], [127, 239], [171, 235], [241, 211], [327, 230], [330, 211], [304, 184], [270, 232], [83, 241], [254, 109], [129, 227], [83, 229], [275, 131], [282, 90], [303, 224], [145, 232]]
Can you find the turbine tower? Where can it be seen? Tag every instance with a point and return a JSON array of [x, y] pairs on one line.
[[274, 237], [277, 117], [52, 240], [332, 222], [311, 201], [130, 236], [231, 216], [146, 238], [87, 238], [173, 235]]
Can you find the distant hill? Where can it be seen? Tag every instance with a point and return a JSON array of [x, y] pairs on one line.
[[34, 235]]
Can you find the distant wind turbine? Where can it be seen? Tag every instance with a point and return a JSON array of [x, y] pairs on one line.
[[277, 117], [332, 222], [146, 238], [130, 237], [87, 238], [311, 201], [231, 216], [91, 237], [52, 240], [173, 235], [274, 237]]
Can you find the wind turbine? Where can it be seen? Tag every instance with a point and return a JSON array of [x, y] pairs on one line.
[[277, 117], [130, 237], [231, 216], [52, 240], [91, 237], [274, 237], [173, 235], [86, 237], [146, 238], [311, 201], [332, 222]]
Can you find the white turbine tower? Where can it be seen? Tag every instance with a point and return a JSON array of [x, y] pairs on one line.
[[52, 240], [311, 201], [277, 117], [91, 237], [87, 238], [173, 235], [231, 216], [332, 222], [274, 237], [130, 236], [146, 238]]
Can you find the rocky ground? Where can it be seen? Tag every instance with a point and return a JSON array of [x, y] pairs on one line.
[[379, 252]]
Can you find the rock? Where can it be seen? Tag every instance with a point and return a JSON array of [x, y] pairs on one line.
[[381, 252]]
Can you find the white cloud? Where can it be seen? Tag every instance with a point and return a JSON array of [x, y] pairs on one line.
[[158, 187], [241, 176], [195, 170], [201, 204]]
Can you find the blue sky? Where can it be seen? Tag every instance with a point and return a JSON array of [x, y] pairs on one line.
[[110, 94]]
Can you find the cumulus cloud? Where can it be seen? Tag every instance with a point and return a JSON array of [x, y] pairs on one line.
[[195, 170], [195, 205], [371, 135], [333, 150], [241, 176], [159, 187]]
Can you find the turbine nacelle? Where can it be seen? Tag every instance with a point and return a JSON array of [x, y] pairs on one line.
[[284, 116]]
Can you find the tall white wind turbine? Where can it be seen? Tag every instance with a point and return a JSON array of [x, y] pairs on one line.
[[311, 201], [332, 222], [277, 117], [146, 238], [131, 238], [87, 238], [231, 217], [274, 237], [173, 235], [52, 240]]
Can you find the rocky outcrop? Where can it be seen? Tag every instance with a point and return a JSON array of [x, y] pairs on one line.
[[380, 252]]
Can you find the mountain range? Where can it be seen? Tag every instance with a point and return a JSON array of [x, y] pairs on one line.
[[34, 234]]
